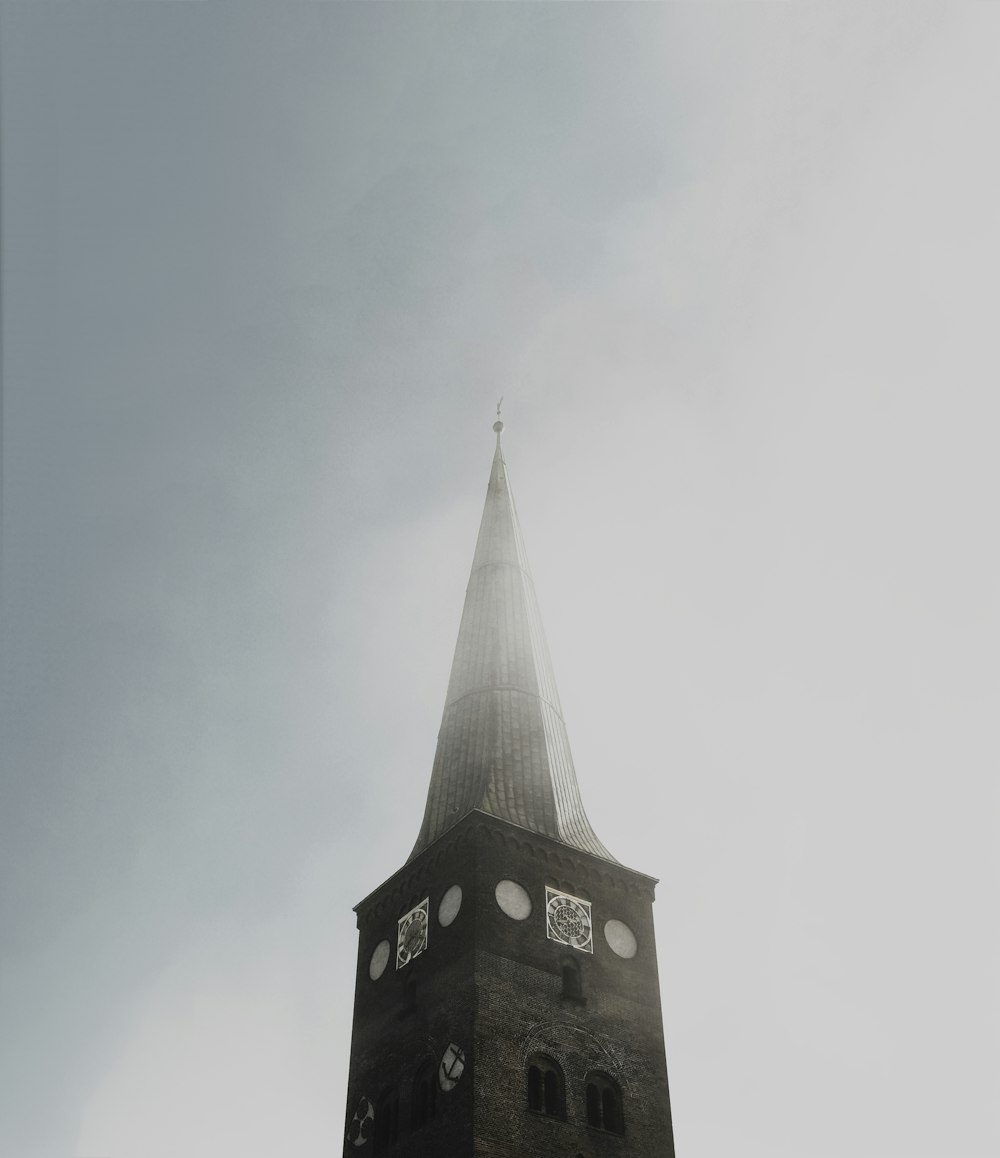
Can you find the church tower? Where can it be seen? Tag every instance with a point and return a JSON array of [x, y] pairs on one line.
[[507, 1002]]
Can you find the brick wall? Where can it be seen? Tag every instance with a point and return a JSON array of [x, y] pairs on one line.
[[494, 986]]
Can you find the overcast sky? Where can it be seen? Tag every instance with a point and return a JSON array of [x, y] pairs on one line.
[[266, 271]]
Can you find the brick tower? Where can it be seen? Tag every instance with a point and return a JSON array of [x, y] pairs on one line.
[[507, 1002]]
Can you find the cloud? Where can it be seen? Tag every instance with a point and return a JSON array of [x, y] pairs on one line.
[[232, 1048], [732, 267]]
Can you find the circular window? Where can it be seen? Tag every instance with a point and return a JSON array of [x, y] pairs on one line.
[[451, 902], [380, 958], [513, 899], [621, 938]]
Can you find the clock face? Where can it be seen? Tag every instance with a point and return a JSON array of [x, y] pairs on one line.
[[567, 920], [412, 934], [451, 1067], [361, 1124]]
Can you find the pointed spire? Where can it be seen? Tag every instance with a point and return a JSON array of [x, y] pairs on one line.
[[503, 747]]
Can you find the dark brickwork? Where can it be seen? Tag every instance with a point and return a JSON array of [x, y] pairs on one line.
[[495, 987]]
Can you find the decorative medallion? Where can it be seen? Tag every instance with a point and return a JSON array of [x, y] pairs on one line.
[[380, 958], [451, 1068], [412, 936], [567, 920], [513, 899], [361, 1124], [451, 902], [621, 939]]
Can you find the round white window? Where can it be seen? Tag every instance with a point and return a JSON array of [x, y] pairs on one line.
[[380, 958], [513, 899], [451, 902], [621, 938]]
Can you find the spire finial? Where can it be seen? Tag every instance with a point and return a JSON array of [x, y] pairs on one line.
[[498, 425]]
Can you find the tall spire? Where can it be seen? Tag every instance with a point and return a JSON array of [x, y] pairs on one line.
[[502, 747]]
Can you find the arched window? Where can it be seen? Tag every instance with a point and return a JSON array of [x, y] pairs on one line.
[[593, 1105], [604, 1104], [611, 1110], [552, 1100], [572, 982], [422, 1098], [534, 1088], [386, 1119], [546, 1090]]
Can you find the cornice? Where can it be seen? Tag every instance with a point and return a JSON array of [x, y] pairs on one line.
[[479, 827]]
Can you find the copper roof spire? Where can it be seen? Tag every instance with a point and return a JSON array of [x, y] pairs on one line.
[[502, 747]]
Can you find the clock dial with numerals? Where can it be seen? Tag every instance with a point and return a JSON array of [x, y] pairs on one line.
[[412, 934], [568, 921]]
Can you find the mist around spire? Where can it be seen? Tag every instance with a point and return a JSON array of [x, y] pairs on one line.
[[503, 747]]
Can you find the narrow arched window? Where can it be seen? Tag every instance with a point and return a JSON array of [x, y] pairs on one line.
[[423, 1096], [534, 1088], [593, 1105], [551, 1093], [546, 1089], [610, 1110], [386, 1119], [572, 982], [604, 1104]]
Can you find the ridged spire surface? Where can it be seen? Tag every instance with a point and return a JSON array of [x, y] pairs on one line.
[[503, 748]]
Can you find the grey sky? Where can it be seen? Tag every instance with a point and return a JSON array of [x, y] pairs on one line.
[[266, 271]]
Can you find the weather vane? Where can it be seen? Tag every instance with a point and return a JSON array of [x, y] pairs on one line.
[[498, 425]]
